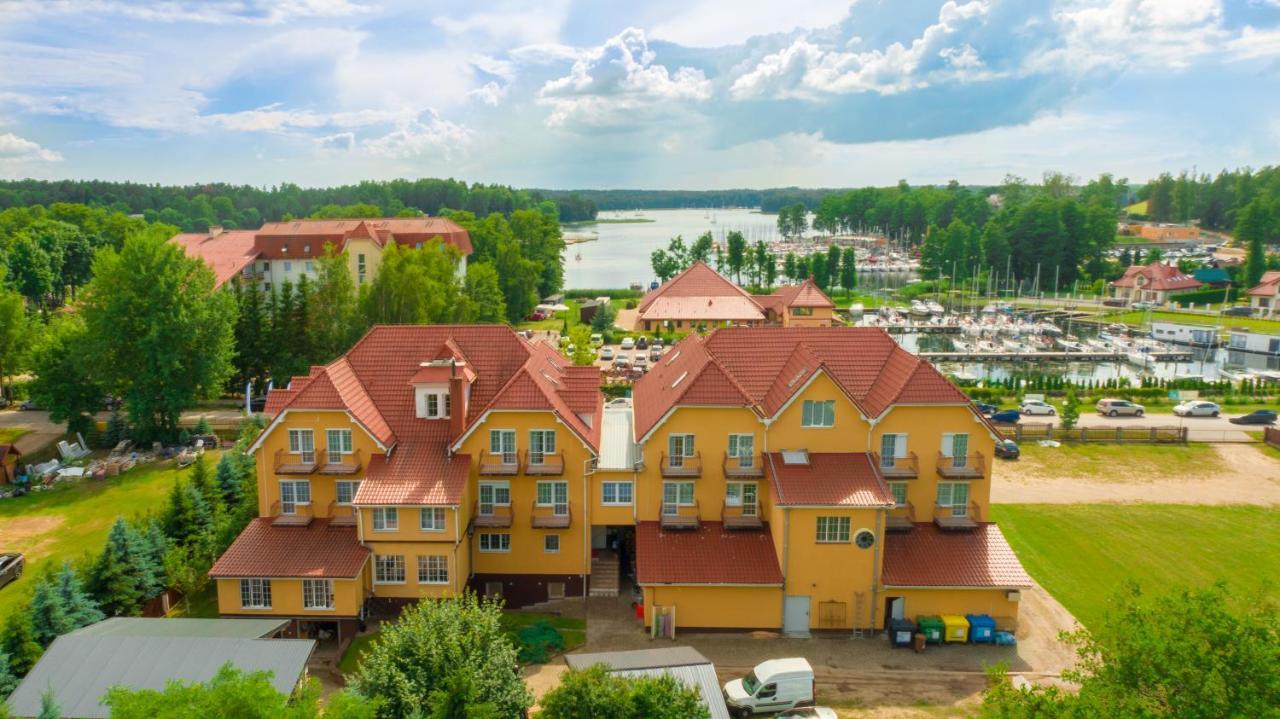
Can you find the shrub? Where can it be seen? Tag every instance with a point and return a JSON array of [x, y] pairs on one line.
[[538, 642]]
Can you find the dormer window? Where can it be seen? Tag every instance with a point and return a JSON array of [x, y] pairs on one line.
[[433, 402]]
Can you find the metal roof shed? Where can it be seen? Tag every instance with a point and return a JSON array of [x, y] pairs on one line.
[[184, 627], [80, 668], [683, 663]]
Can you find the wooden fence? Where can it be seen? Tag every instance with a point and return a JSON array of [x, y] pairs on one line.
[[1271, 436], [1133, 435]]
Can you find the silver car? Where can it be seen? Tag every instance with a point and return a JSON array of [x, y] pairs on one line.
[[1117, 407], [1197, 408]]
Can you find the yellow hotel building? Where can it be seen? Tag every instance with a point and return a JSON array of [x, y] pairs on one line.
[[796, 479]]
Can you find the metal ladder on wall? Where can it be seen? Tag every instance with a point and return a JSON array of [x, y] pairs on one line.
[[859, 602]]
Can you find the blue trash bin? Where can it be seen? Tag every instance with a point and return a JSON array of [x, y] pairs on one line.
[[982, 628]]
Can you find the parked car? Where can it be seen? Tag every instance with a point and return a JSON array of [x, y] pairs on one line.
[[597, 340], [1007, 449], [1117, 407], [257, 404], [628, 343], [639, 361], [1144, 305], [809, 713], [1240, 311], [642, 342], [29, 405], [1007, 416], [1197, 408], [655, 354], [774, 685], [1035, 406], [657, 343], [10, 567], [606, 353], [621, 362], [1258, 416], [985, 408]]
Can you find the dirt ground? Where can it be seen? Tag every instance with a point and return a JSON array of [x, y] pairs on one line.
[[1243, 475], [862, 677], [17, 531]]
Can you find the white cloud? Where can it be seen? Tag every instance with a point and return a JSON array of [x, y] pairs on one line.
[[338, 141], [1254, 43], [1117, 33], [611, 82], [424, 134], [518, 22], [810, 69], [217, 12], [716, 23], [13, 147], [491, 93]]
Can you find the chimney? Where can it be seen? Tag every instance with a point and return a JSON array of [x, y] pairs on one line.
[[457, 402], [214, 231]]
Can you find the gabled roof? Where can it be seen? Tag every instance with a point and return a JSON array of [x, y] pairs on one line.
[[764, 367], [930, 557], [709, 554], [1157, 276], [315, 551], [700, 293], [805, 294], [828, 478], [226, 253], [1268, 286], [306, 238]]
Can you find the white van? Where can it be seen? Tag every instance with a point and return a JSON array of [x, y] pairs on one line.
[[773, 686]]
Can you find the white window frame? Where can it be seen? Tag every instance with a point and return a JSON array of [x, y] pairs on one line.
[[738, 442], [950, 490], [433, 569], [899, 448], [678, 494], [317, 594], [306, 450], [354, 484], [547, 541], [949, 448], [297, 498], [437, 522], [818, 413], [736, 495], [893, 487], [495, 542], [496, 488], [380, 517], [679, 446], [392, 562], [345, 442], [617, 487], [498, 445], [542, 442], [443, 405], [558, 496], [257, 592], [833, 530]]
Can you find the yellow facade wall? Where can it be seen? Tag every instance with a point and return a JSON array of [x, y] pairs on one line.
[[528, 555], [372, 259], [412, 588], [614, 515], [717, 607], [924, 427], [286, 599], [409, 526], [322, 486], [932, 602], [821, 317], [832, 573], [849, 433]]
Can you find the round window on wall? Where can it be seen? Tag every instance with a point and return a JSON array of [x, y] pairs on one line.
[[864, 538]]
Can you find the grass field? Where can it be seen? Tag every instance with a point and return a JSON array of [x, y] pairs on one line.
[[1118, 462], [71, 522], [8, 434], [1083, 553], [573, 630], [1138, 318], [556, 323]]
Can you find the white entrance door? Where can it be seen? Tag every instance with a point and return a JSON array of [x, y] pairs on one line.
[[795, 615]]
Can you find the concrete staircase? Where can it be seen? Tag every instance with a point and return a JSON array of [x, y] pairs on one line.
[[604, 575]]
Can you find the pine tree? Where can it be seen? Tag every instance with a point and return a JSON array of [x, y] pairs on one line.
[[202, 480], [48, 613], [49, 708], [19, 642], [123, 575], [8, 682], [80, 607], [154, 545], [228, 479]]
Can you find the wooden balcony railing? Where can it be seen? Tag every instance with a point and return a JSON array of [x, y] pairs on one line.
[[680, 516], [556, 516], [342, 464], [295, 462], [901, 518], [741, 516], [495, 515], [300, 517], [972, 466], [544, 463], [956, 517], [681, 466], [748, 466], [907, 467], [502, 463], [341, 515]]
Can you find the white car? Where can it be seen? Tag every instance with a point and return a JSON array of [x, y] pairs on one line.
[[606, 353], [809, 713], [1197, 408], [1035, 406], [628, 343]]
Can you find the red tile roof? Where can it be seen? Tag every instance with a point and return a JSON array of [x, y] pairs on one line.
[[836, 479], [373, 382], [929, 557], [709, 555], [805, 294], [306, 238], [764, 367], [700, 293], [226, 253], [317, 550], [1268, 286], [1158, 277]]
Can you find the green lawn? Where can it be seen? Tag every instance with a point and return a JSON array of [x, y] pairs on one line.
[[1138, 318], [8, 434], [1116, 462], [71, 522], [351, 659], [556, 323], [1081, 554]]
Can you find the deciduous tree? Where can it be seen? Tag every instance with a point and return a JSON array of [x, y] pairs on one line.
[[594, 692], [234, 693], [66, 376], [483, 291]]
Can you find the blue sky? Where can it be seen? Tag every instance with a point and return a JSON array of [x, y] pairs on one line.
[[659, 94]]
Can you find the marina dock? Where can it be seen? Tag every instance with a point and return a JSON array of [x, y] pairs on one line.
[[1087, 356]]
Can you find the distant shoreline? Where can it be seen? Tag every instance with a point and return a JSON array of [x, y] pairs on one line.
[[614, 221]]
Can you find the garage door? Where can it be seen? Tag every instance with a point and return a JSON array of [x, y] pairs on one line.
[[795, 616]]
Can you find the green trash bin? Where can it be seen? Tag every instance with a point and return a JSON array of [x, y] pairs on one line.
[[932, 628]]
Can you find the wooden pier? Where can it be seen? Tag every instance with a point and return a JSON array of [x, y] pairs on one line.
[[921, 329], [1088, 356]]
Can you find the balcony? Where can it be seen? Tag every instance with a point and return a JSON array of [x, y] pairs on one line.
[[295, 462], [301, 515], [907, 467], [681, 466], [741, 516], [750, 466], [555, 516], [493, 516], [341, 515], [502, 464], [342, 464], [961, 467], [680, 516], [958, 517], [544, 463], [902, 518]]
